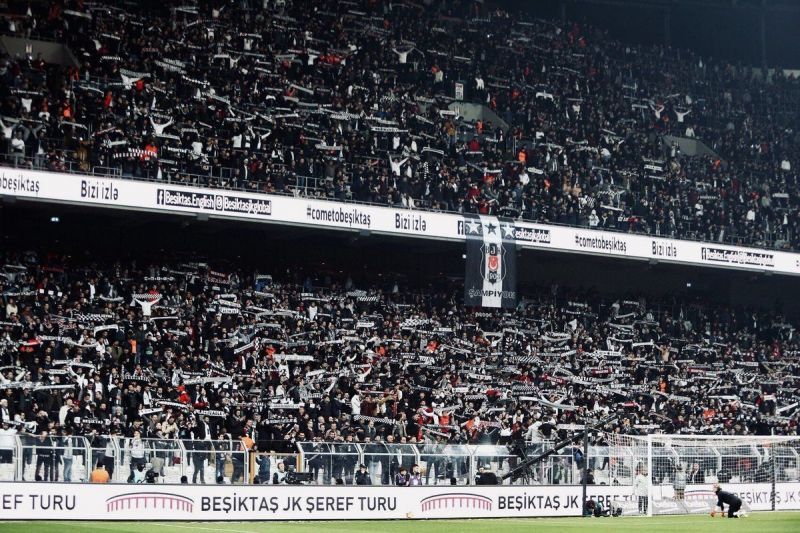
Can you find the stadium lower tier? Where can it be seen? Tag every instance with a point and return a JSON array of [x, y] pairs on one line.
[[190, 351]]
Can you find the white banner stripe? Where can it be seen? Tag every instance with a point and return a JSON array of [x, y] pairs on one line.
[[160, 197]]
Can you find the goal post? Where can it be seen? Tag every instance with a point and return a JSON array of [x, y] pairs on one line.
[[677, 473]]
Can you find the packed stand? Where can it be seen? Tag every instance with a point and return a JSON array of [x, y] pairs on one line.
[[355, 101], [187, 351]]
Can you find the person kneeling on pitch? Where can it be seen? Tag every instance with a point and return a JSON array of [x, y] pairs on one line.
[[593, 508], [732, 500]]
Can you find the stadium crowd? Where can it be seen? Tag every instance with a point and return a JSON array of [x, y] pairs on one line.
[[357, 100], [185, 351]]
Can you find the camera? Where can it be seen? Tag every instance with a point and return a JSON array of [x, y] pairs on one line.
[[298, 478]]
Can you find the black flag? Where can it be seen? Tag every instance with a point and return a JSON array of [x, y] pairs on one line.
[[491, 276]]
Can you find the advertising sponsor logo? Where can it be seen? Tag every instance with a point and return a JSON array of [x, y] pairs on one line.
[[532, 235], [99, 190], [456, 501], [410, 222], [214, 202], [666, 506], [701, 495], [664, 249], [149, 500], [18, 184], [185, 199], [699, 505], [738, 257], [603, 244], [344, 217], [252, 206]]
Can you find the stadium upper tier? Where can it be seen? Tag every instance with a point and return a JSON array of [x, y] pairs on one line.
[[356, 100], [126, 346]]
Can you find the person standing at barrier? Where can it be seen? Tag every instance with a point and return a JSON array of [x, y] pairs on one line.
[[5, 413], [370, 457], [66, 445], [221, 455], [315, 461], [136, 448], [385, 461], [337, 458], [44, 456], [350, 458], [264, 462], [695, 476], [199, 460], [395, 459], [58, 453], [679, 483], [201, 443], [640, 489], [105, 443], [237, 458], [7, 443], [26, 430]]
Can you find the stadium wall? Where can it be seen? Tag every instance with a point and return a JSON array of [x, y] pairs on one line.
[[225, 204], [62, 501]]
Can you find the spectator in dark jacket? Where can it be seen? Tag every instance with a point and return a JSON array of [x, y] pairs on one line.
[[362, 476]]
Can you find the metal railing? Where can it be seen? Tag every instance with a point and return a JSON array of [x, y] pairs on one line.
[[71, 459]]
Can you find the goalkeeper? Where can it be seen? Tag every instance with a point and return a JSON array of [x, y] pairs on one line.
[[733, 502]]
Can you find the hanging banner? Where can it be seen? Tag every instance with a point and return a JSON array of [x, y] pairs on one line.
[[491, 270]]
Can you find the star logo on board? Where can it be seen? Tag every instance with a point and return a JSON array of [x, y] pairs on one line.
[[508, 230], [491, 228], [473, 227]]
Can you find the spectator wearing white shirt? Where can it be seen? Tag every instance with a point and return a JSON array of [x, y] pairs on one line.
[[641, 489], [355, 404]]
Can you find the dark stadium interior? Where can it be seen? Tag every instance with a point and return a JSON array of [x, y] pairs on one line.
[[728, 29]]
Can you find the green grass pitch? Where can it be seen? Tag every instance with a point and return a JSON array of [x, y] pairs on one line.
[[756, 523]]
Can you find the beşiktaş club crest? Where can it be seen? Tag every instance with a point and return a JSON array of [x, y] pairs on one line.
[[493, 259]]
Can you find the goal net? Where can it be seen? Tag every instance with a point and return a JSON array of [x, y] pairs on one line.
[[676, 474]]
